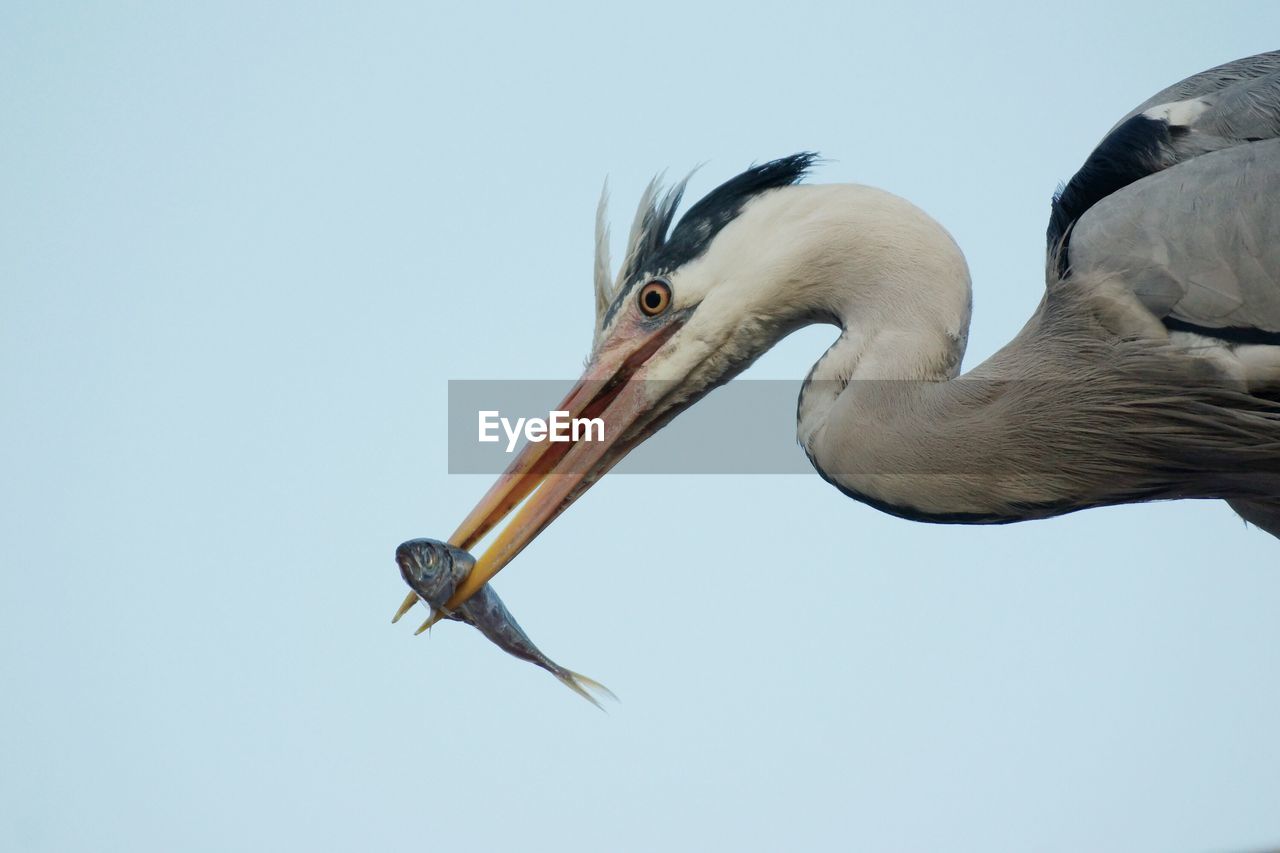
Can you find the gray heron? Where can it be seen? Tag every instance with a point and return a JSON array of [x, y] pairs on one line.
[[1149, 371]]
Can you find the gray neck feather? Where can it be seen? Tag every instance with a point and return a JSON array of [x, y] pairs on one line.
[[1072, 413]]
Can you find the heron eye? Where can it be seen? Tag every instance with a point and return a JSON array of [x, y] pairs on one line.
[[655, 297]]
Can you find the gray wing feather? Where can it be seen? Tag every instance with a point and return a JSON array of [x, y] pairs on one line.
[[1233, 104], [1246, 111], [1225, 85], [1199, 242]]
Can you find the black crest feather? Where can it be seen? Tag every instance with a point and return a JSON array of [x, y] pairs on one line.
[[654, 251]]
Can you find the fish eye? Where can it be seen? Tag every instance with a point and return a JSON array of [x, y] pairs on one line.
[[655, 297]]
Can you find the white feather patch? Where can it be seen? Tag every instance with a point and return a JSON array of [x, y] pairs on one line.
[[1182, 113]]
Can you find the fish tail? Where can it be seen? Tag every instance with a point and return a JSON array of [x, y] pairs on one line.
[[580, 684], [594, 685]]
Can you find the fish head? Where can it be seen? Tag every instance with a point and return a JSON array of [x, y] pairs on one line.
[[433, 568]]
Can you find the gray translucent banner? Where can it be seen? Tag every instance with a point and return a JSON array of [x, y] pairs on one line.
[[956, 428], [745, 427]]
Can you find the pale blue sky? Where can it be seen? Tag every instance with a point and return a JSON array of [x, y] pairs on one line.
[[242, 249]]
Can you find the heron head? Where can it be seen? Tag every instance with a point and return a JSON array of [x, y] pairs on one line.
[[691, 306]]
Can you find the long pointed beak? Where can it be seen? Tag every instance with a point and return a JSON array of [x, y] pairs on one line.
[[552, 475]]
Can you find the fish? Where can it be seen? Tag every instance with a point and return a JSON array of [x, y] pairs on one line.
[[433, 570]]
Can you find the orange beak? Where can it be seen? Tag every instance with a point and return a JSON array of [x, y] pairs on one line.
[[552, 475]]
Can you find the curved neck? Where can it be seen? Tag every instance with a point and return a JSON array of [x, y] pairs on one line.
[[879, 415], [1066, 416], [899, 289]]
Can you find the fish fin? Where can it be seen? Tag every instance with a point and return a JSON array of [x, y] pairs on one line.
[[436, 615], [594, 685], [580, 684]]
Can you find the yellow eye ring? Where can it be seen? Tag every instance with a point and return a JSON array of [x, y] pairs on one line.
[[655, 297]]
